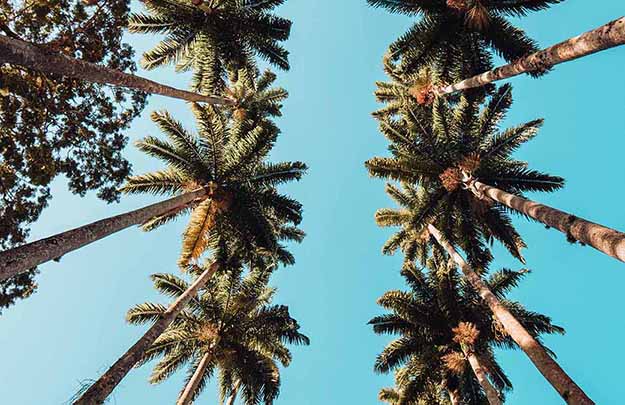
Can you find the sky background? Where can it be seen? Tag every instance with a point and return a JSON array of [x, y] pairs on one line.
[[73, 328]]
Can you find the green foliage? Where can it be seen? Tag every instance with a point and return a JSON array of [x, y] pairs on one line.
[[425, 157], [424, 318], [46, 127], [228, 157], [213, 37], [457, 38], [234, 323]]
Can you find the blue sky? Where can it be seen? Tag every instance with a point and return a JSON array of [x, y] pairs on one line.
[[73, 328]]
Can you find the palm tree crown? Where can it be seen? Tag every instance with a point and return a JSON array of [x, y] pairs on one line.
[[214, 35], [456, 35], [233, 322], [229, 162], [427, 318], [458, 141]]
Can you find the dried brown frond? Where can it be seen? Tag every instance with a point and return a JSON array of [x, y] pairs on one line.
[[451, 179], [455, 362], [466, 333], [458, 5], [240, 114]]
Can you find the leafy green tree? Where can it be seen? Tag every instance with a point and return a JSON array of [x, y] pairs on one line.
[[435, 154], [212, 36], [46, 128], [231, 326], [457, 36], [419, 245], [430, 317], [220, 176], [229, 252]]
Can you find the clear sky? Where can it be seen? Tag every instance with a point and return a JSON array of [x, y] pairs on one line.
[[73, 328]]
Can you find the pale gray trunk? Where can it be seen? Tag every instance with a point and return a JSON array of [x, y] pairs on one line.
[[547, 366], [186, 397], [23, 258], [235, 391], [18, 52], [606, 240], [480, 373], [604, 37], [102, 388]]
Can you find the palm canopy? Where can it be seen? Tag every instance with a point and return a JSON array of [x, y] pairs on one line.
[[212, 36], [457, 35], [228, 160], [427, 353], [232, 321], [254, 99], [432, 395], [433, 158]]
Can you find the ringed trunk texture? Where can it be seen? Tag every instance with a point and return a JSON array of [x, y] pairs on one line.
[[491, 393], [186, 397], [547, 366], [101, 389], [18, 52], [23, 258], [606, 240], [604, 37]]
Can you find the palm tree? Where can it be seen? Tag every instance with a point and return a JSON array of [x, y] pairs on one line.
[[17, 52], [431, 154], [605, 37], [456, 35], [213, 35], [558, 378], [230, 250], [231, 326], [435, 319], [220, 175]]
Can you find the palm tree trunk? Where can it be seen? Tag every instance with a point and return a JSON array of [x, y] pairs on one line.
[[606, 240], [235, 391], [101, 389], [558, 378], [186, 397], [18, 52], [604, 37], [491, 393], [23, 258]]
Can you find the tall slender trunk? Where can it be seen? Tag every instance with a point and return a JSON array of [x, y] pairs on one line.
[[186, 397], [604, 37], [558, 378], [606, 240], [491, 393], [23, 258], [18, 52], [102, 388], [235, 391]]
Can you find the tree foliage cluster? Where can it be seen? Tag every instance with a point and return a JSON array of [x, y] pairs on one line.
[[54, 126], [444, 152]]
